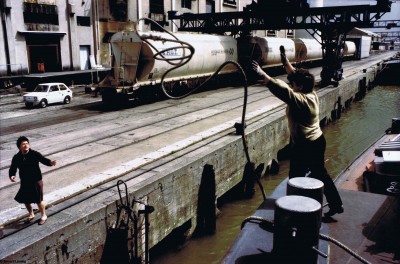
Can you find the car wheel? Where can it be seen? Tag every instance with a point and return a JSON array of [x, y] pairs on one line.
[[28, 105], [67, 100], [43, 103]]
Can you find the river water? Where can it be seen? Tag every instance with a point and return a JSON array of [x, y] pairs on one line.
[[359, 126]]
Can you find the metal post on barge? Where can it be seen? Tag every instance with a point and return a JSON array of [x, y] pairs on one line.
[[298, 221], [296, 229]]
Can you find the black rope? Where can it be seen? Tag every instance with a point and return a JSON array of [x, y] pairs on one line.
[[344, 247], [185, 59]]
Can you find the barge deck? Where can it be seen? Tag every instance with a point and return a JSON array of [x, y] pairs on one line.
[[369, 225]]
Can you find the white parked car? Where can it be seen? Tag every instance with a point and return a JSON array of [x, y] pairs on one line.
[[48, 93]]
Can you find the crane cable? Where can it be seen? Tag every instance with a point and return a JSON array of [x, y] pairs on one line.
[[185, 59]]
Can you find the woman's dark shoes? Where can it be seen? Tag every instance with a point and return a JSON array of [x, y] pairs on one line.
[[333, 211]]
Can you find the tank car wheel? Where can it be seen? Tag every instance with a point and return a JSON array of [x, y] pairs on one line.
[[194, 83], [43, 103], [171, 87]]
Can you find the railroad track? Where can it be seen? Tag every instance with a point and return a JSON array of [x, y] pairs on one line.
[[89, 145]]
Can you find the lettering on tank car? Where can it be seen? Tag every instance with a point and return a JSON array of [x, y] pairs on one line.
[[171, 52], [229, 51]]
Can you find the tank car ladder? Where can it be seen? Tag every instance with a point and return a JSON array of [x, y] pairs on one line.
[[122, 62]]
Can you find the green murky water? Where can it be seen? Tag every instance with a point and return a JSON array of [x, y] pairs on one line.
[[358, 127]]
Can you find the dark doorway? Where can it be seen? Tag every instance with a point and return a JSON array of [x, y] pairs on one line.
[[119, 9], [210, 6], [43, 53]]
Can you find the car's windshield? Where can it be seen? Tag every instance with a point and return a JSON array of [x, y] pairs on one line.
[[41, 88]]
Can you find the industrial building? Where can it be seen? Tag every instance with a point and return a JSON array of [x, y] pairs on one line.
[[52, 36], [39, 36]]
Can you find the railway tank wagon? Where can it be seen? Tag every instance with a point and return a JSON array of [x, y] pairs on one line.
[[142, 58], [270, 50], [307, 49], [137, 64], [311, 50], [350, 49]]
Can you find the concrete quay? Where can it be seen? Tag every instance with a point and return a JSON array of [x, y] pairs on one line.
[[171, 179]]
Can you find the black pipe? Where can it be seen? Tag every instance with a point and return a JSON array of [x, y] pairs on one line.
[[339, 108], [69, 18]]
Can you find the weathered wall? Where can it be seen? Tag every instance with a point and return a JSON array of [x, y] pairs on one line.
[[171, 185]]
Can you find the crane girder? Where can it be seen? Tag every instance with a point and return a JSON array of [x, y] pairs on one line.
[[363, 16], [387, 24], [329, 24], [389, 36]]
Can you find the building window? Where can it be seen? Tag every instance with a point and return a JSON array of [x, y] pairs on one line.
[[157, 14], [83, 21], [159, 18], [48, 2], [230, 2], [119, 10], [290, 33], [40, 14], [156, 6], [210, 6], [271, 33], [186, 4]]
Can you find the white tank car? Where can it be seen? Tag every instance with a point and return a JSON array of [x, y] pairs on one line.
[[307, 49], [136, 65], [349, 48], [270, 52]]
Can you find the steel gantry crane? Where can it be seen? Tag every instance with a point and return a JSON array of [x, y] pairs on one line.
[[329, 25], [389, 36], [388, 24]]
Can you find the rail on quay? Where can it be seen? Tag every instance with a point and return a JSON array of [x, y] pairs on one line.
[[170, 179]]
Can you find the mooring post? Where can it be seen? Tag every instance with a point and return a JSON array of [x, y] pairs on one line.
[[206, 207], [297, 222], [305, 186], [336, 113]]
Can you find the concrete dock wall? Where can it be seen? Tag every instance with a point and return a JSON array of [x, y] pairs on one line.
[[175, 186]]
